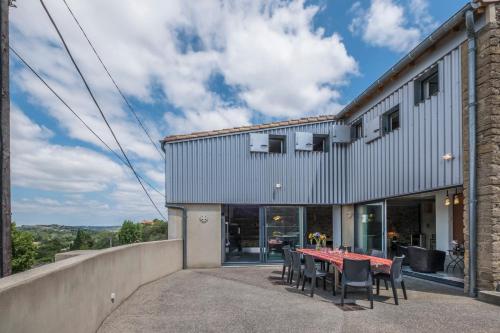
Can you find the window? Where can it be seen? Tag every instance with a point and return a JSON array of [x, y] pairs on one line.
[[357, 130], [319, 142], [427, 86], [276, 144], [391, 119]]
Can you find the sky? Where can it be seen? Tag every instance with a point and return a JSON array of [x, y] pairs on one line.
[[184, 66]]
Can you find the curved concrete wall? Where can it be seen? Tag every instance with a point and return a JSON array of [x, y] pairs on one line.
[[74, 295]]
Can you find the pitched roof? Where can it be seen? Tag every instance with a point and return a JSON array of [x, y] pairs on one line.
[[275, 124]]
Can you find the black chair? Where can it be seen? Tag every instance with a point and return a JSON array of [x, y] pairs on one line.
[[377, 253], [359, 250], [297, 267], [402, 251], [426, 261], [396, 275], [357, 274], [311, 272], [287, 262]]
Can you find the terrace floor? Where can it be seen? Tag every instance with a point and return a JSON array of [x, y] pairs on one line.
[[254, 299]]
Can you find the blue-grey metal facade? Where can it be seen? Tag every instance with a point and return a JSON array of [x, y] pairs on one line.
[[408, 160], [223, 170]]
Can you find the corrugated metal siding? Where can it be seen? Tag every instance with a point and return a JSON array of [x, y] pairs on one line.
[[409, 159], [223, 170]]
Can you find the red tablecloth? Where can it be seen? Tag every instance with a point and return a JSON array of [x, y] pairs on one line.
[[336, 259]]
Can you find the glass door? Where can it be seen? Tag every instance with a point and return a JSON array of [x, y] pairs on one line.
[[241, 234], [370, 227], [282, 226]]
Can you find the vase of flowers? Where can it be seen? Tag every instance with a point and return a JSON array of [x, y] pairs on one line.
[[319, 238]]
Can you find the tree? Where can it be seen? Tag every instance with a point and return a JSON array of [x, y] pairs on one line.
[[47, 250], [23, 250], [129, 233], [155, 231], [105, 239], [83, 240]]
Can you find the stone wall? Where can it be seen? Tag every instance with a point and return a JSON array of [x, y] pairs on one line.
[[488, 151]]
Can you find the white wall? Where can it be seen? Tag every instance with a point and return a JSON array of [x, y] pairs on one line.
[[204, 236], [74, 295], [444, 222]]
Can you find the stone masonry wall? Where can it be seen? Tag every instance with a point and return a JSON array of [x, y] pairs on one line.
[[488, 154]]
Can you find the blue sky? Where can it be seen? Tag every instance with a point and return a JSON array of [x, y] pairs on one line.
[[185, 66]]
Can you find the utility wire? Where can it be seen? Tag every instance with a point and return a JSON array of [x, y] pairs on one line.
[[76, 115], [99, 108], [113, 80]]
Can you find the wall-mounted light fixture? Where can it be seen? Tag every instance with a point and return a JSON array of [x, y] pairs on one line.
[[456, 199], [447, 157], [447, 200], [277, 186]]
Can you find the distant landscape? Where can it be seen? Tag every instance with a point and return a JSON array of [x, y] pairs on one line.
[[36, 245]]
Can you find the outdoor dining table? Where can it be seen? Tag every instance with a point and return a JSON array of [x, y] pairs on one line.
[[336, 258]]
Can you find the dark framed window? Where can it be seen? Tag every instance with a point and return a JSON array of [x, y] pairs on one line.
[[357, 130], [391, 119], [320, 143], [427, 86], [276, 144]]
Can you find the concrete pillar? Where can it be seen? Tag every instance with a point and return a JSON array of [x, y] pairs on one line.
[[444, 222], [337, 225], [348, 225], [174, 223], [203, 236]]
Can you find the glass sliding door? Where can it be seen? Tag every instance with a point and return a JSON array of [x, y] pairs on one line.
[[282, 226], [370, 227], [241, 233]]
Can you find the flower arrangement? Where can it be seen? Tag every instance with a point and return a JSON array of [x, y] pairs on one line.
[[319, 238]]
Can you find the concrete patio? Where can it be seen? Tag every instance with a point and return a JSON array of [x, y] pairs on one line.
[[254, 299]]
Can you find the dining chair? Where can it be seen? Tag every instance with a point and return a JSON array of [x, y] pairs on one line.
[[396, 275], [313, 273], [287, 262], [357, 274], [359, 250], [379, 254], [297, 268]]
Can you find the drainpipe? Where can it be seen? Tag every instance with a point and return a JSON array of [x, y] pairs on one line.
[[471, 42], [184, 232]]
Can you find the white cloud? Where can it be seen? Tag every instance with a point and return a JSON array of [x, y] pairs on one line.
[[36, 163], [268, 50], [385, 23], [271, 58]]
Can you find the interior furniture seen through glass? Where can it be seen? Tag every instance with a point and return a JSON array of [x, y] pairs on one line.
[[369, 226], [282, 228], [241, 233]]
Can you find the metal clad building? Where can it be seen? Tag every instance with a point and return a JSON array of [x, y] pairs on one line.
[[410, 159], [222, 169]]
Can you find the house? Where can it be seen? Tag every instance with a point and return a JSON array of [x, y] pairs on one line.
[[392, 169]]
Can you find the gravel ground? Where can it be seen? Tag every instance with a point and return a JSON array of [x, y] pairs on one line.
[[254, 299]]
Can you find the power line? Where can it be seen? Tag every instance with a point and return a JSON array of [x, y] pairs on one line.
[[99, 107], [113, 80], [77, 116]]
